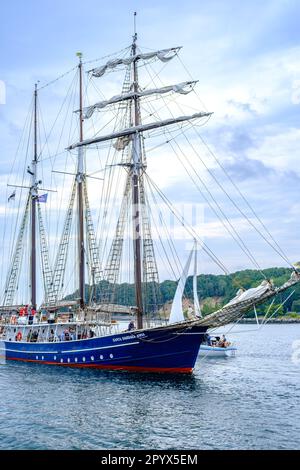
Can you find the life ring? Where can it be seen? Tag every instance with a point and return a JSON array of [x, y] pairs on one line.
[[19, 336]]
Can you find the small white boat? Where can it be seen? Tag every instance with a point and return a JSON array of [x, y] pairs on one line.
[[214, 349]]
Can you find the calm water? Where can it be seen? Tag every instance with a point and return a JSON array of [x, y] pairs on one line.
[[248, 402]]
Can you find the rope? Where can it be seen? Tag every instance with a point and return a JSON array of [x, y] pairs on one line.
[[238, 238], [57, 79], [51, 82], [190, 230], [6, 226], [280, 252]]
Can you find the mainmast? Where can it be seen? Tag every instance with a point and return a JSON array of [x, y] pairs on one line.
[[136, 213], [34, 195], [79, 179], [134, 134]]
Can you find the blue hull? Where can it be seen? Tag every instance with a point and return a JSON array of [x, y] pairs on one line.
[[165, 349]]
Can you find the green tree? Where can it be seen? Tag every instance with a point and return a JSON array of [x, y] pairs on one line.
[[296, 306]]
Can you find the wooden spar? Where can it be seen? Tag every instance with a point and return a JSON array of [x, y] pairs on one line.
[[136, 156], [141, 128], [33, 209], [79, 176]]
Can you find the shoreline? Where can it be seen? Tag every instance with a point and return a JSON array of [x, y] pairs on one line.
[[273, 320]]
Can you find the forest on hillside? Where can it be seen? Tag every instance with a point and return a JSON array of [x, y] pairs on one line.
[[215, 291]]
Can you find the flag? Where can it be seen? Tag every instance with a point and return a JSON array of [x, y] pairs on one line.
[[43, 198], [12, 197]]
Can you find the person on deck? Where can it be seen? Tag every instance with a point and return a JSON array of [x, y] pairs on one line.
[[131, 326], [207, 339], [190, 313], [223, 342], [34, 337], [30, 314], [22, 311], [51, 336], [67, 336]]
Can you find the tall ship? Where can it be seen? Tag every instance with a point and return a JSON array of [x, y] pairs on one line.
[[80, 329]]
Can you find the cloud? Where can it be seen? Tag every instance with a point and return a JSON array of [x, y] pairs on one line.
[[245, 168], [248, 66], [245, 107]]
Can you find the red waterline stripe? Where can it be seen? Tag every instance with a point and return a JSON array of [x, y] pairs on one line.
[[177, 370]]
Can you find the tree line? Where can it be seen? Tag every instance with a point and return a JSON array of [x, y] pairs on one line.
[[214, 290]]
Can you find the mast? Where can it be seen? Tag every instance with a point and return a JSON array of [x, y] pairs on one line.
[[136, 167], [34, 196], [79, 179], [134, 134]]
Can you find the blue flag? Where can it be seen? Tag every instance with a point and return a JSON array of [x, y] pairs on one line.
[[43, 198]]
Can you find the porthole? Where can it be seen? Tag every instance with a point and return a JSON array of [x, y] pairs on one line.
[[83, 359], [54, 358], [68, 359], [61, 360], [42, 358], [76, 359], [36, 357], [101, 357], [92, 358], [111, 356]]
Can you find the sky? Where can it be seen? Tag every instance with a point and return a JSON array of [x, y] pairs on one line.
[[246, 56]]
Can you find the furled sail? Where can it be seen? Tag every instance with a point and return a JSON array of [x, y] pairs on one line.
[[176, 314], [252, 293], [164, 55], [140, 128], [122, 142], [245, 301], [182, 88]]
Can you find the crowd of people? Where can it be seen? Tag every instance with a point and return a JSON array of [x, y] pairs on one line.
[[68, 334]]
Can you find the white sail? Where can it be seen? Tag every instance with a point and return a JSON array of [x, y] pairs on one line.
[[176, 314], [197, 308], [253, 293], [183, 88], [163, 55]]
